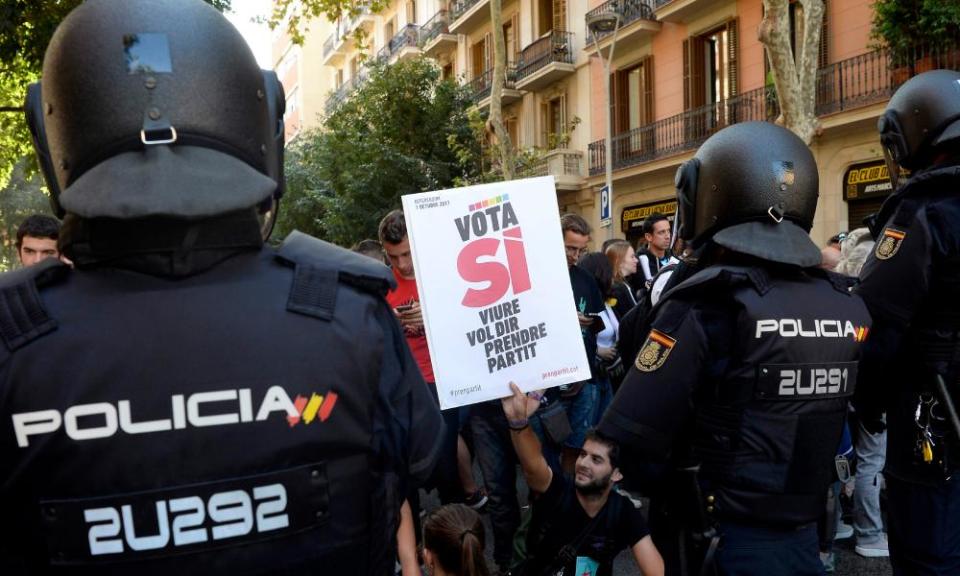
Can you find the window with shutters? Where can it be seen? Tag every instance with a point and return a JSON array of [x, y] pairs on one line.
[[796, 36], [553, 121], [560, 15], [826, 84], [711, 79], [480, 57], [338, 82], [389, 30], [511, 31], [411, 12], [632, 92], [552, 16]]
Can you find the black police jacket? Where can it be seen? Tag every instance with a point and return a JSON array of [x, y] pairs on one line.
[[910, 284], [255, 418], [746, 371]]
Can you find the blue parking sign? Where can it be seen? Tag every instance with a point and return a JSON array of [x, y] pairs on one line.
[[605, 206]]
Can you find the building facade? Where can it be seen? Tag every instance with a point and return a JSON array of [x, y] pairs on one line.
[[680, 71]]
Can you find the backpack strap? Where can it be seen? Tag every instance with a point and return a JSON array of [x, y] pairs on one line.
[[319, 269], [23, 315]]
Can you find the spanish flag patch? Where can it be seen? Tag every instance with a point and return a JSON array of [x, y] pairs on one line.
[[889, 243], [654, 351]]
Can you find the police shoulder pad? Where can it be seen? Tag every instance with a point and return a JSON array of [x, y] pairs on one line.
[[23, 316], [320, 266]]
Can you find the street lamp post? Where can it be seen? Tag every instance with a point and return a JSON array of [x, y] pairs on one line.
[[601, 22]]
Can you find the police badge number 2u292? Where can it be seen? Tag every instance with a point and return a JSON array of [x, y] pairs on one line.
[[654, 351], [889, 243]]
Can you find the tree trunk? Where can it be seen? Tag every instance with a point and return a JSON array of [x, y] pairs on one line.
[[795, 78], [504, 145]]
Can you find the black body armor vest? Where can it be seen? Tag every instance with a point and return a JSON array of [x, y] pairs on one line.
[[235, 421], [769, 415]]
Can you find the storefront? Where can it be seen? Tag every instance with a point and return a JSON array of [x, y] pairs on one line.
[[632, 217], [866, 186]]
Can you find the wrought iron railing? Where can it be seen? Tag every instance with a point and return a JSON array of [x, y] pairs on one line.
[[407, 36], [558, 162], [329, 44], [860, 81], [339, 95], [684, 131], [557, 47], [630, 11], [660, 3], [435, 26], [479, 87], [353, 20], [460, 7]]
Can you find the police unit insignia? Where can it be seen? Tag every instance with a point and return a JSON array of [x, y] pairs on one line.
[[654, 351], [889, 243]]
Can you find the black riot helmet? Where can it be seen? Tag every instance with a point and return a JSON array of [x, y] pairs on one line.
[[156, 108], [751, 187], [921, 117]]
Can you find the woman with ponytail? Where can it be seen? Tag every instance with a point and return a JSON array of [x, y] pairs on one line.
[[453, 542]]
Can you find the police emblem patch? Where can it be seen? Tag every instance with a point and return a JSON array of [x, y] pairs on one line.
[[889, 243], [654, 351]]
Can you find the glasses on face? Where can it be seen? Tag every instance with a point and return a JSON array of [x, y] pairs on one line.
[[575, 251]]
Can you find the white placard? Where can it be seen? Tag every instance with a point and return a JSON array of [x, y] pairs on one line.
[[495, 289]]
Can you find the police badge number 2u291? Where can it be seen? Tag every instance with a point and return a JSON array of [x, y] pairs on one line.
[[889, 243], [654, 351]]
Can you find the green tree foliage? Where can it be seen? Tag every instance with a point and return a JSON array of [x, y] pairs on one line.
[[294, 15], [21, 197], [391, 137], [902, 24], [15, 76]]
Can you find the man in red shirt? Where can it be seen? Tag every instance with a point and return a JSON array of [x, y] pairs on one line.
[[405, 300]]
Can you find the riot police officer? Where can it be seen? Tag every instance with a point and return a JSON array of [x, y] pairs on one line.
[[186, 400], [749, 361], [912, 363]]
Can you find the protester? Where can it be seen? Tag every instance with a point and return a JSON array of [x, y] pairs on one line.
[[453, 542], [656, 254], [578, 526], [623, 261], [37, 239], [610, 367]]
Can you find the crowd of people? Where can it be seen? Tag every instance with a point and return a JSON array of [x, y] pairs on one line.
[[616, 284]]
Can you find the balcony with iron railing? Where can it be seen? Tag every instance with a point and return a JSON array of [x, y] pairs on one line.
[[545, 61], [637, 22], [849, 84], [364, 18], [403, 44], [479, 88], [335, 46], [341, 94], [563, 164], [467, 14], [435, 36], [684, 131]]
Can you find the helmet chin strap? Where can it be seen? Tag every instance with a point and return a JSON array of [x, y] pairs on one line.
[[893, 168], [675, 233], [268, 217]]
